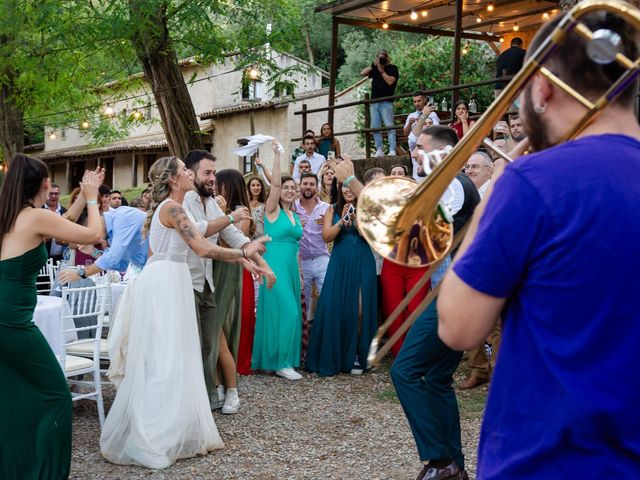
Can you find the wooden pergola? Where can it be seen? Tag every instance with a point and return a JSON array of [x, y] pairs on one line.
[[461, 19]]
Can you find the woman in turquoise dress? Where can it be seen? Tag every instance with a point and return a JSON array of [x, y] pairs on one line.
[[347, 314], [35, 403], [278, 335]]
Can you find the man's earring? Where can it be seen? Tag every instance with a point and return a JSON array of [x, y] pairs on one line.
[[540, 108]]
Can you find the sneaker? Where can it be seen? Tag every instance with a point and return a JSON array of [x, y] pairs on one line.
[[289, 374], [379, 153], [357, 368], [216, 399], [231, 402], [392, 153]]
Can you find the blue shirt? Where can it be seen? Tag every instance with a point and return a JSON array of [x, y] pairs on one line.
[[126, 245], [559, 239]]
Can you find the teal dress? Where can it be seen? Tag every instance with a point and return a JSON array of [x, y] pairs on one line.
[[337, 339], [35, 403], [278, 335]]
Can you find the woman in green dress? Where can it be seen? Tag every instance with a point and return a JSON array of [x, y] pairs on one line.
[[278, 334], [35, 403]]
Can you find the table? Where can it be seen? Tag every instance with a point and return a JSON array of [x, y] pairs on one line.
[[117, 289], [52, 316]]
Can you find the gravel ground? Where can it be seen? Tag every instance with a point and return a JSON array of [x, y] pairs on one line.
[[344, 427]]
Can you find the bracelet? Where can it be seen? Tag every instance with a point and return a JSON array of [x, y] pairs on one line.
[[92, 202], [231, 219], [96, 253], [348, 180]]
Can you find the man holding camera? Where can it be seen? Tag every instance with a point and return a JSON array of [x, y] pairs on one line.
[[384, 78]]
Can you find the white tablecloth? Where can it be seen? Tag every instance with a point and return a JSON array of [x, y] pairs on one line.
[[50, 314], [117, 289]]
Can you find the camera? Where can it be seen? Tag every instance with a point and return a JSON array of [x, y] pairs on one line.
[[383, 61]]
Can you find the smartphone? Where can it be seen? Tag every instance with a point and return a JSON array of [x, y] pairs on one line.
[[430, 100], [331, 155]]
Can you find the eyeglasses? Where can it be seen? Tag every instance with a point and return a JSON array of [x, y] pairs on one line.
[[472, 166]]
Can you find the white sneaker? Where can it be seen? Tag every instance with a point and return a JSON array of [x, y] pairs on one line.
[[392, 153], [231, 402], [221, 393], [356, 369], [379, 153], [289, 374]]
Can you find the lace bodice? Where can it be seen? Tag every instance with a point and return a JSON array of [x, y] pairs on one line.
[[163, 240]]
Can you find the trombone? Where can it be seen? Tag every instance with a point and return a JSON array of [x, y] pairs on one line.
[[410, 226]]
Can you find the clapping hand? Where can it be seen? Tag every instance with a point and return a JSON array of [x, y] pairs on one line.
[[91, 181], [342, 169]]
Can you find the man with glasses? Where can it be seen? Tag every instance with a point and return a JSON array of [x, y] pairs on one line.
[[479, 168]]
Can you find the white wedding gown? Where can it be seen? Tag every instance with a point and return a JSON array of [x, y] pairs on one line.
[[161, 411]]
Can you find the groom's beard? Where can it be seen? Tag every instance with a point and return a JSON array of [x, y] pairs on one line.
[[202, 189]]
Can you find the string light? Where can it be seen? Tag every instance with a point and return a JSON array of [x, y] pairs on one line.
[[490, 7], [52, 136], [137, 114], [465, 49], [385, 25], [254, 73], [85, 125], [478, 19], [501, 39], [414, 15], [516, 27], [424, 13], [109, 111], [545, 16]]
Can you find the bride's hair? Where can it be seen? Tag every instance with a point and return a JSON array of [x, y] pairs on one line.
[[159, 175]]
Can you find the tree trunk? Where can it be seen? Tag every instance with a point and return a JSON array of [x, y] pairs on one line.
[[11, 123], [307, 40], [159, 61]]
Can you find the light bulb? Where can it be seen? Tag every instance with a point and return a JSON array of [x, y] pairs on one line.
[[414, 15], [465, 50], [545, 16], [501, 39], [137, 115], [52, 136], [254, 73], [85, 125], [108, 110], [478, 19], [490, 7], [385, 25], [424, 13], [516, 27]]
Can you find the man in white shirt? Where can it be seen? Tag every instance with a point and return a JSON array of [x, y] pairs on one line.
[[201, 206], [424, 116], [315, 159]]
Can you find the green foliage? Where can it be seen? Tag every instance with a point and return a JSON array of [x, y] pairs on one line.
[[429, 64]]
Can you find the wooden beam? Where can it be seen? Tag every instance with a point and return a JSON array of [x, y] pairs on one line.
[[333, 73], [451, 18], [456, 50], [351, 6], [134, 169], [438, 32]]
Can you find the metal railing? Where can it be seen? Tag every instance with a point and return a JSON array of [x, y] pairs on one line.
[[367, 130]]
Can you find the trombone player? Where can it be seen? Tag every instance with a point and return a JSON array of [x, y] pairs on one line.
[[554, 251]]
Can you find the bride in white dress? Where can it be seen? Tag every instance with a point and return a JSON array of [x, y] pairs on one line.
[[161, 411]]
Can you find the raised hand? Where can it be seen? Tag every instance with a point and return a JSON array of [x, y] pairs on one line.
[[463, 117], [342, 169], [257, 161], [91, 181]]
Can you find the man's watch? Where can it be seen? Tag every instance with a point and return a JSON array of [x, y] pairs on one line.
[[82, 273]]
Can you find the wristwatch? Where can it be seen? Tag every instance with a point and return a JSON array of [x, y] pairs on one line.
[[82, 273]]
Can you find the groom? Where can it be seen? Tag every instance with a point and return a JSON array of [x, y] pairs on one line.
[[201, 206]]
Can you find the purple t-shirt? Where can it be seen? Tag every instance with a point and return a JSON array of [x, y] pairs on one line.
[[559, 238]]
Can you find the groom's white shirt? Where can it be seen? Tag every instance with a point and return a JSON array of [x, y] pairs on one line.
[[202, 268]]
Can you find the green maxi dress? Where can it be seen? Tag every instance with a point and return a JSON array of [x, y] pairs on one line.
[[278, 336], [35, 403]]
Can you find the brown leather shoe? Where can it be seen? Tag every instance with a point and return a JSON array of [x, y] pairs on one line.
[[450, 472], [473, 381]]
